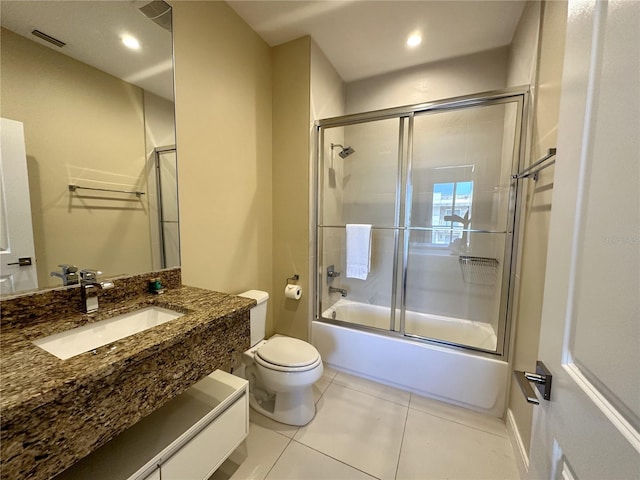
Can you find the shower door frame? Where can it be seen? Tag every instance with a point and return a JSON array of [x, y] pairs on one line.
[[158, 152], [403, 207]]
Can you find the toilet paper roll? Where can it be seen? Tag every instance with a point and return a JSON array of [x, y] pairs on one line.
[[293, 291]]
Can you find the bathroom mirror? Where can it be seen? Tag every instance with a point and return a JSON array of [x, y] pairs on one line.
[[100, 116]]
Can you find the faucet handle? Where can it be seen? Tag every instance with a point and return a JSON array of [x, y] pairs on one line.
[[68, 268], [331, 272], [88, 274]]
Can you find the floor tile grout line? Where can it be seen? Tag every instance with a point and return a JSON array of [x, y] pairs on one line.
[[404, 431], [460, 423], [272, 430], [411, 395], [371, 394], [406, 407], [334, 458], [322, 394], [279, 457]]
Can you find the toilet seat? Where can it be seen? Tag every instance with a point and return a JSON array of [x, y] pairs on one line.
[[287, 355]]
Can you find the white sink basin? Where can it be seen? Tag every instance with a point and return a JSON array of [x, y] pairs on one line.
[[82, 339]]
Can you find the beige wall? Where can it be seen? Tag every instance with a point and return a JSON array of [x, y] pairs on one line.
[[537, 210], [328, 92], [466, 75], [291, 104], [327, 87], [223, 135], [522, 58], [85, 127]]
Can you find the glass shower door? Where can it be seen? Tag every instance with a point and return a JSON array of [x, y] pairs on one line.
[[461, 215], [359, 187], [168, 215]]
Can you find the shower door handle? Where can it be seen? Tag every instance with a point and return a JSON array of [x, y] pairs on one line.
[[542, 378]]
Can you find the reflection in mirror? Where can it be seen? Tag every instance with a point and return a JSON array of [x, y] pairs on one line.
[[98, 115]]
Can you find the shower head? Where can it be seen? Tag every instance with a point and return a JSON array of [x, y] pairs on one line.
[[345, 152]]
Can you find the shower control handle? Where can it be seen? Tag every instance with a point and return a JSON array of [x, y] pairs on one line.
[[331, 272]]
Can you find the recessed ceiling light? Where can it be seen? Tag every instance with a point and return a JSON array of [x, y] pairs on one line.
[[130, 42], [414, 40]]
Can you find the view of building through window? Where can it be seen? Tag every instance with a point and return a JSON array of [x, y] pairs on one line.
[[451, 210]]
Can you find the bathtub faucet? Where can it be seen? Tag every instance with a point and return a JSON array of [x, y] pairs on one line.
[[341, 291]]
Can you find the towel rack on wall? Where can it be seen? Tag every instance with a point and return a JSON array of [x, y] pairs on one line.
[[73, 188], [533, 170]]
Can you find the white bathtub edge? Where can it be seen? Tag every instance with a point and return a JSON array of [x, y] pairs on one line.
[[445, 374]]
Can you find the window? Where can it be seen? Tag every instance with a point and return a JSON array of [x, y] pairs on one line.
[[441, 201], [451, 210]]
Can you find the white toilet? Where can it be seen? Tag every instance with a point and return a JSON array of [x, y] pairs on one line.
[[281, 371]]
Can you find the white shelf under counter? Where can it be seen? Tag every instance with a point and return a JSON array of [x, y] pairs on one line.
[[186, 439]]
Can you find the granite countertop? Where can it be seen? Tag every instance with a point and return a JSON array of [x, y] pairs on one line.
[[55, 412], [32, 377]]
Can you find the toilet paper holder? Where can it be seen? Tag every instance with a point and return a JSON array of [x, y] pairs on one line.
[[294, 278]]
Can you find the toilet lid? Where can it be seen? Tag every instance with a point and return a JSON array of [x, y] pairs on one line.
[[288, 352]]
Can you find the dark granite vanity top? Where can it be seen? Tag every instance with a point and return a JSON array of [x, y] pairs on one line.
[[98, 394], [31, 376]]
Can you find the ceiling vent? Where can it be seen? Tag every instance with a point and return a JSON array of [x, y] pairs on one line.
[[158, 11], [48, 38]]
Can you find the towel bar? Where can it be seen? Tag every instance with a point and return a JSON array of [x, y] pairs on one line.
[[73, 188], [530, 172]]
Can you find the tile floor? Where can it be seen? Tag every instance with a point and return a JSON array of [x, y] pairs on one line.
[[364, 430]]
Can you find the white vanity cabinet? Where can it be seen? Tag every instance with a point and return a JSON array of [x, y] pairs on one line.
[[187, 439]]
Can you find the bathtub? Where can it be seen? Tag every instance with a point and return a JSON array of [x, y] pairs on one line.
[[452, 375], [453, 330]]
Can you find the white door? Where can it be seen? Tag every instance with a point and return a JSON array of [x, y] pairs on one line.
[[16, 231], [590, 337]]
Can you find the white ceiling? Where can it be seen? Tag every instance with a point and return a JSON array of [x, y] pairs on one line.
[[363, 38], [92, 30]]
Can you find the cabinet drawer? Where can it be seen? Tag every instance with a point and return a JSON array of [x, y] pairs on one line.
[[200, 412], [216, 441]]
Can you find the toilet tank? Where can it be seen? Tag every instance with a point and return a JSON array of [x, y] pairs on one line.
[[258, 314]]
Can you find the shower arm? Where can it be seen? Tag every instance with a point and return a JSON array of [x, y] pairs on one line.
[[344, 152]]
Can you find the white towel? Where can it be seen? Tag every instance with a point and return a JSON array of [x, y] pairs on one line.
[[358, 251]]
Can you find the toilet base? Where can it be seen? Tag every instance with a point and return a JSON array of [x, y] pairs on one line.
[[292, 408]]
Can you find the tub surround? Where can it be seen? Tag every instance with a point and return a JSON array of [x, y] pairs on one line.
[[55, 412]]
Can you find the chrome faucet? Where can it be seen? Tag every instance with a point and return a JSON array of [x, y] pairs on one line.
[[341, 291], [89, 285], [69, 274]]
